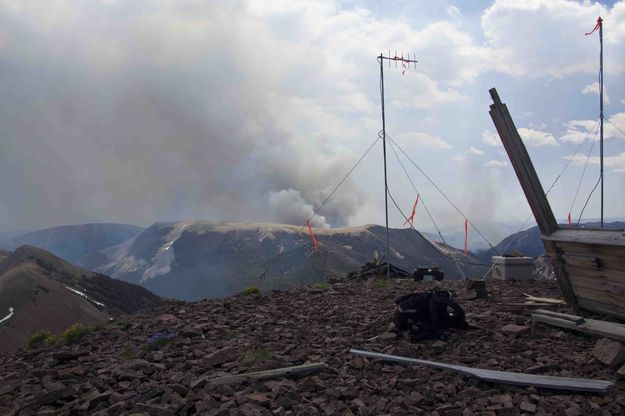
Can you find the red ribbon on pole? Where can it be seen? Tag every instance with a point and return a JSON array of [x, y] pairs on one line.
[[314, 240], [569, 218], [414, 208], [597, 26], [466, 235]]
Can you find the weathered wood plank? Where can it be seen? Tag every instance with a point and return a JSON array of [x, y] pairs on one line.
[[601, 261], [596, 327], [574, 259], [615, 275], [562, 323], [553, 301], [561, 275], [607, 298], [522, 165], [264, 375], [597, 307], [612, 238], [568, 317], [503, 377], [597, 284], [587, 248]]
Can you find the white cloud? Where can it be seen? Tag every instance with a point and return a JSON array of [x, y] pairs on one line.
[[496, 164], [614, 163], [591, 88], [472, 152], [423, 92], [490, 138], [578, 130], [533, 137], [453, 11], [594, 89], [610, 129], [424, 139], [546, 37]]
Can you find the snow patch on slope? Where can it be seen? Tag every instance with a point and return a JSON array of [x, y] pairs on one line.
[[266, 233], [78, 292], [164, 257], [6, 318]]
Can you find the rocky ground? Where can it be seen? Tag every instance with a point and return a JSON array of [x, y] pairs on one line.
[[159, 364]]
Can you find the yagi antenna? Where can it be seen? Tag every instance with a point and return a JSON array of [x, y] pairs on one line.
[[404, 60], [405, 63]]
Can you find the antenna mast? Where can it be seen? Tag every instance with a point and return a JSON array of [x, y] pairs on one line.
[[405, 64], [600, 23]]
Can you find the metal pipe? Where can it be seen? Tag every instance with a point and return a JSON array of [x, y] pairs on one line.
[[600, 21], [388, 258]]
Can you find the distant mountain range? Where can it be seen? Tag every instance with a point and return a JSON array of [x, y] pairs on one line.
[[73, 243], [202, 259], [528, 242], [39, 291]]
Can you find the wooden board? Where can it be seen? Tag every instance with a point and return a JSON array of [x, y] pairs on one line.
[[596, 327], [614, 276], [581, 260], [558, 315], [602, 296], [606, 237], [269, 374], [597, 284], [586, 248], [561, 276], [597, 307], [522, 165], [503, 377], [589, 260]]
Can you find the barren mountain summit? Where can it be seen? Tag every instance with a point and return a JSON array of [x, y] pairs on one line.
[[165, 363], [192, 260]]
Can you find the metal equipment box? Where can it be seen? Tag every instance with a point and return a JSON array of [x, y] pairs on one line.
[[512, 268]]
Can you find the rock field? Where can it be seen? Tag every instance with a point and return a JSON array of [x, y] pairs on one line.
[[160, 364]]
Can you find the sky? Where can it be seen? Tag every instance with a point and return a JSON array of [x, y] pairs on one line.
[[164, 110]]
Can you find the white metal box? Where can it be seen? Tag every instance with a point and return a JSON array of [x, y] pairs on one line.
[[512, 268]]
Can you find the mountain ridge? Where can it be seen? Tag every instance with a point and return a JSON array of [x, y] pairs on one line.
[[74, 242], [43, 292], [194, 259]]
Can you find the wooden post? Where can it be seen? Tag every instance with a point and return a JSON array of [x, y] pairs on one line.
[[532, 188], [522, 165]]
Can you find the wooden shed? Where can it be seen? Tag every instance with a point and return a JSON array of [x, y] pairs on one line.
[[589, 263]]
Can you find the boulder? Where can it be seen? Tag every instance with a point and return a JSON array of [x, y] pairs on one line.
[[609, 352]]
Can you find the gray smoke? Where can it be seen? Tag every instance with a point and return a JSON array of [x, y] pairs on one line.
[[112, 111]]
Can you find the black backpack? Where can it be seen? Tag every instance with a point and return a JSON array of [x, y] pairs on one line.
[[426, 314]]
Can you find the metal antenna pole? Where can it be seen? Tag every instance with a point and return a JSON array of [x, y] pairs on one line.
[[600, 21], [406, 65], [388, 258]]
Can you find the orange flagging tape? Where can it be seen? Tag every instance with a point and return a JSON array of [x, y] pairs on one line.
[[414, 208], [314, 240], [597, 26]]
